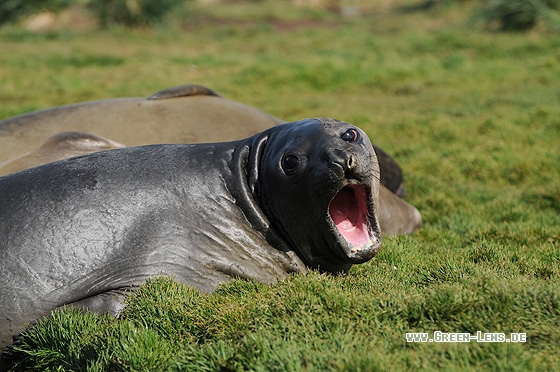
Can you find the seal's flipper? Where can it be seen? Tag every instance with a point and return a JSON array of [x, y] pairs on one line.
[[395, 215], [391, 173], [81, 142], [59, 146], [106, 302], [184, 91]]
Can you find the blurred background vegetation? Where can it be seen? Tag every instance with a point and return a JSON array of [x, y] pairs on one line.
[[132, 13], [504, 15]]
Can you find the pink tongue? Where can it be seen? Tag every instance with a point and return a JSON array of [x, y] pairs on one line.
[[348, 211]]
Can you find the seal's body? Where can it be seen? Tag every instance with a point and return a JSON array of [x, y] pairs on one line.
[[60, 146], [82, 231], [184, 114]]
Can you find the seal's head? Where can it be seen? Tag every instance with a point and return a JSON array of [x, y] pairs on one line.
[[318, 184]]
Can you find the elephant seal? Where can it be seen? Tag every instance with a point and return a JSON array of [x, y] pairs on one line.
[[60, 146], [84, 230], [183, 114]]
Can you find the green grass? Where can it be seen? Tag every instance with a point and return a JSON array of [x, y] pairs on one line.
[[473, 117]]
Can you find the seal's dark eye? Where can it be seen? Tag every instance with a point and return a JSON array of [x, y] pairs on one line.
[[290, 163], [350, 135]]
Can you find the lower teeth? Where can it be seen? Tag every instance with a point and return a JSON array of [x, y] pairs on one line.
[[369, 242]]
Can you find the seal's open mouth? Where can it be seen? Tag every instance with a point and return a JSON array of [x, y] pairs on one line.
[[349, 212]]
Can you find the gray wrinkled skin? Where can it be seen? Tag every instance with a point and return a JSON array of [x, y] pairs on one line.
[[84, 230]]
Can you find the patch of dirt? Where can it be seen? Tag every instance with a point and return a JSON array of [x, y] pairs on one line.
[[283, 25], [280, 25], [75, 18]]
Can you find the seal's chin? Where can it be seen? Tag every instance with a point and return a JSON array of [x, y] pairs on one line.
[[349, 213]]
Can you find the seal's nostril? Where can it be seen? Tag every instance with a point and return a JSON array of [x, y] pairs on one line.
[[351, 162]]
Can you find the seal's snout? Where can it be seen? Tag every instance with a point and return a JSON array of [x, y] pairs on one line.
[[342, 159]]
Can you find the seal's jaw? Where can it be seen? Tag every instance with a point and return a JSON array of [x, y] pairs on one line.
[[352, 220]]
